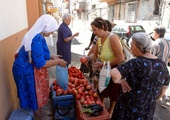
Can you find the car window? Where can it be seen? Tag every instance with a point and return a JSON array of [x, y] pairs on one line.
[[132, 28], [123, 29], [116, 28], [139, 28]]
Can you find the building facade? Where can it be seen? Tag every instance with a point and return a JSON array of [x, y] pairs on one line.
[[17, 16]]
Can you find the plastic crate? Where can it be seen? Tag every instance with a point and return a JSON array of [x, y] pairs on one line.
[[62, 99], [64, 106], [22, 114], [83, 116]]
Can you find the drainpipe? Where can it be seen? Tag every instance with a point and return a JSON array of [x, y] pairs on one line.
[[119, 9], [70, 6], [161, 11]]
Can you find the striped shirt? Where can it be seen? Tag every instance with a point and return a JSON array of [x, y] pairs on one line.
[[161, 49]]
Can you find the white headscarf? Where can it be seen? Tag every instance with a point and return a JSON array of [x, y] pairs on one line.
[[45, 24]]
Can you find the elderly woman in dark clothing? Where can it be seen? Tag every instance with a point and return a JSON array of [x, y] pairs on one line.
[[145, 76], [64, 39]]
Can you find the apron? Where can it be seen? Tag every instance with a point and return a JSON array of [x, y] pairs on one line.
[[42, 86]]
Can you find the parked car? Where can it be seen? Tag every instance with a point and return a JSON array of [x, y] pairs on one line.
[[126, 31]]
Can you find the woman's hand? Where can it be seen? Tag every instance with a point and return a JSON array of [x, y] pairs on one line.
[[87, 48], [125, 86], [98, 64], [54, 57], [76, 34], [61, 62]]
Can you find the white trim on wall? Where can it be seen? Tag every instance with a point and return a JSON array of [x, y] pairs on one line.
[[13, 17]]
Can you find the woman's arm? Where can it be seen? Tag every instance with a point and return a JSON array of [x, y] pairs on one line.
[[53, 57], [116, 77], [116, 47], [93, 56], [71, 37], [162, 92], [50, 63], [87, 48]]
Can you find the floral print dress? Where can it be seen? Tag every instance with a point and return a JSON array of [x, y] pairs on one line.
[[146, 77]]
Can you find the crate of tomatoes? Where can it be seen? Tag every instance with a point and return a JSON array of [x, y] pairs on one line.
[[88, 104]]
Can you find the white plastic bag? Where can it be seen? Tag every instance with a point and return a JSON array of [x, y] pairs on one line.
[[104, 76]]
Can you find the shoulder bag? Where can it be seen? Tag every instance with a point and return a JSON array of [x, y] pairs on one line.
[[126, 50]]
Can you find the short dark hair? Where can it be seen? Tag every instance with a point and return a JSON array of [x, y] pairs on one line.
[[160, 30]]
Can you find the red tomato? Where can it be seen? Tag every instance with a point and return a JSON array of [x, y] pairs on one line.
[[98, 102], [95, 95], [58, 91], [83, 59], [78, 96]]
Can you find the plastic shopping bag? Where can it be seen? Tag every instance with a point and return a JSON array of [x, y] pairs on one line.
[[104, 76], [62, 77], [127, 52]]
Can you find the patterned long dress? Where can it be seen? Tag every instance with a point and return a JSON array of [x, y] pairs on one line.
[[146, 77]]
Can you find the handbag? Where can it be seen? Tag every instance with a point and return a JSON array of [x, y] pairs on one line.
[[126, 50], [62, 77], [104, 76]]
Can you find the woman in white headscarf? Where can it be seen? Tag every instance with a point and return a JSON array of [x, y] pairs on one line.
[[31, 60]]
